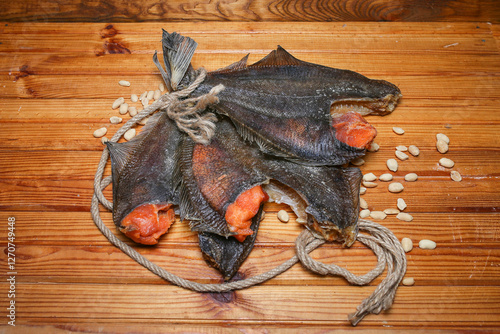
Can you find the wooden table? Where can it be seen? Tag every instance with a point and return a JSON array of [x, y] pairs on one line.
[[57, 85]]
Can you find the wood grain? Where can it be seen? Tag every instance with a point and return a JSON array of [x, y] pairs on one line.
[[58, 82], [255, 10]]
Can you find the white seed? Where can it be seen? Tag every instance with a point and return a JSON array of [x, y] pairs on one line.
[[445, 162], [134, 98], [143, 96], [426, 244], [124, 83], [408, 281], [401, 204], [161, 87], [104, 140], [395, 187], [402, 148], [123, 108], [378, 215], [369, 184], [115, 119], [392, 164], [145, 102], [150, 95], [385, 177], [374, 147], [100, 132], [363, 204], [370, 177], [411, 177], [132, 111], [129, 134], [358, 162], [443, 137], [441, 146], [401, 155], [283, 216], [414, 150], [391, 211], [362, 190], [455, 176], [364, 213], [398, 130], [157, 94], [118, 102], [404, 217], [407, 244], [144, 121]]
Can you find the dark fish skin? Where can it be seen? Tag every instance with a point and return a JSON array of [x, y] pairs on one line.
[[283, 104], [142, 168], [227, 254]]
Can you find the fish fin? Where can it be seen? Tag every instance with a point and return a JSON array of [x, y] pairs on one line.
[[354, 176], [278, 57], [234, 66], [164, 74], [177, 52]]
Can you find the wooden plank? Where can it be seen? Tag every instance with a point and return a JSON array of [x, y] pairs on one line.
[[455, 230], [257, 10], [459, 111], [459, 265], [131, 303]]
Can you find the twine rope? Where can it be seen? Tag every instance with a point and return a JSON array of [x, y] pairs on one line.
[[380, 240]]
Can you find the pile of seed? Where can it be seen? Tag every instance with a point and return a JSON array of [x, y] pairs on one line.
[[136, 104]]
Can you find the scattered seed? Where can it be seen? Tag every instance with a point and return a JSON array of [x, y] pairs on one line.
[[134, 98], [124, 83], [118, 102], [395, 187], [143, 96], [441, 146], [104, 140], [402, 148], [391, 211], [409, 281], [123, 109], [362, 190], [161, 87], [115, 119], [445, 162], [144, 121], [100, 132], [407, 244], [129, 134], [392, 164], [404, 217], [364, 213], [374, 147], [443, 137], [401, 155], [414, 150], [427, 244], [401, 204], [145, 102], [385, 177], [455, 176], [398, 130], [378, 215], [411, 177], [150, 95], [358, 162], [283, 216], [363, 204], [157, 94], [132, 111], [370, 177], [370, 184]]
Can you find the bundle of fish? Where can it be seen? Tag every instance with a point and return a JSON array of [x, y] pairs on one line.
[[284, 129]]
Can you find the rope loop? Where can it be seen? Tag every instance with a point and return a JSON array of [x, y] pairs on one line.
[[201, 127]]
